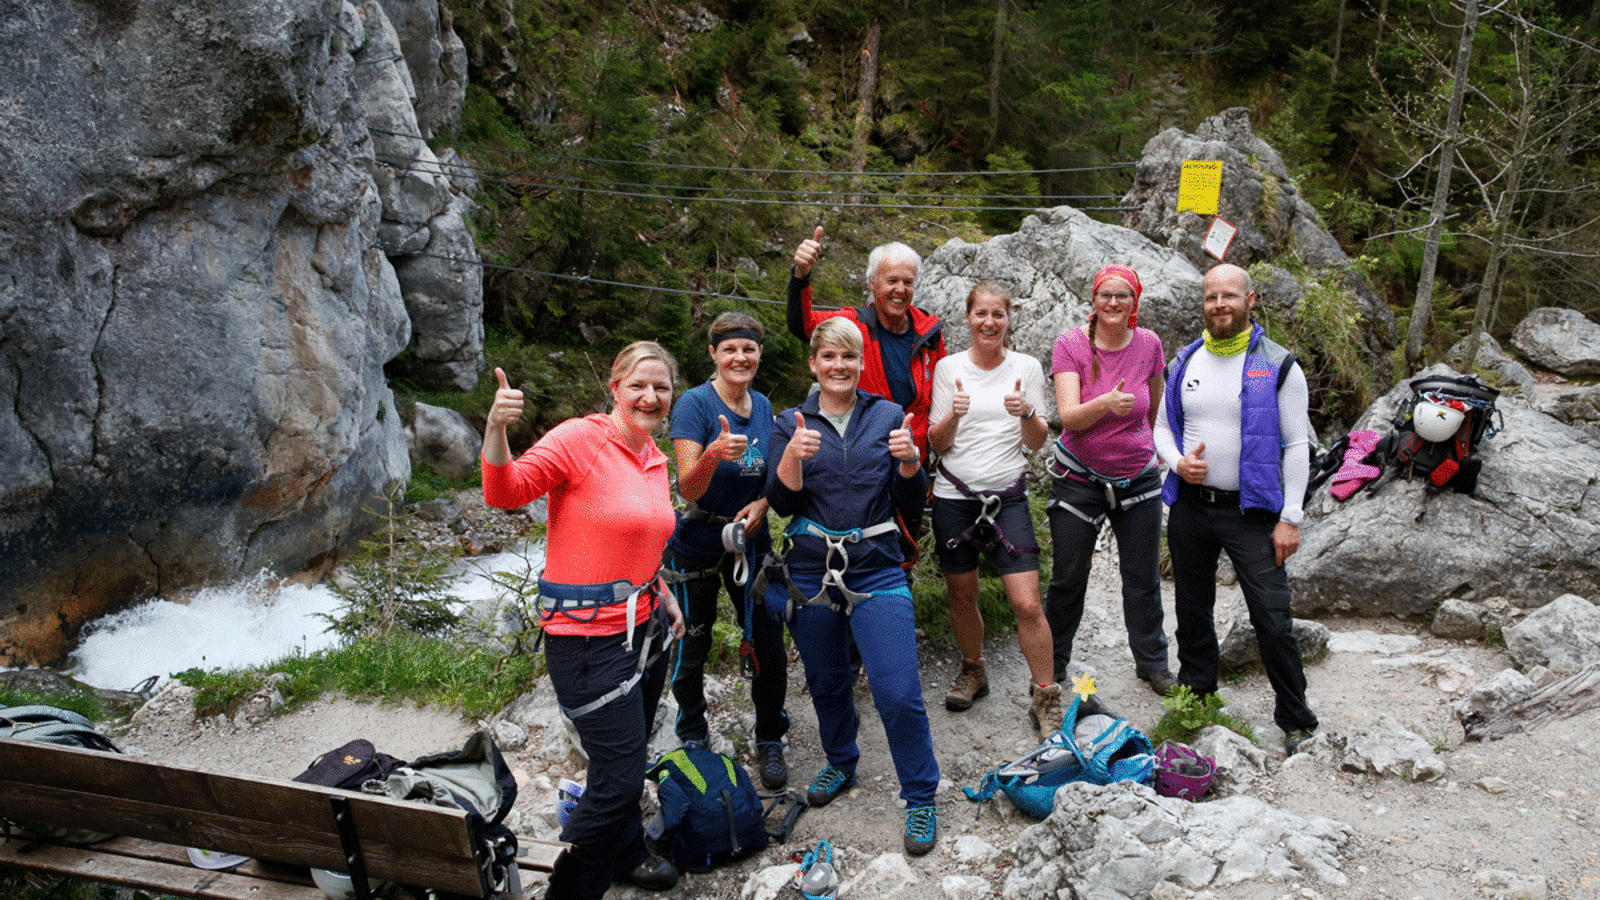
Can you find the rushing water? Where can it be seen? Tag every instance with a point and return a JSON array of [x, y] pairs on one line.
[[249, 623]]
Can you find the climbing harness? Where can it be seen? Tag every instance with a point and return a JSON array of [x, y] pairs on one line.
[[570, 597], [837, 561], [988, 516], [1065, 464]]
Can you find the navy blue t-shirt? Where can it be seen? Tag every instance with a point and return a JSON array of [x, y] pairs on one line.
[[734, 485], [896, 350]]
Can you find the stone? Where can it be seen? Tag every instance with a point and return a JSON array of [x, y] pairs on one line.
[[509, 735], [1049, 264], [768, 884], [888, 875], [1577, 406], [964, 887], [1388, 749], [1500, 691], [1457, 620], [1239, 762], [1260, 198], [1499, 370], [1237, 646], [970, 849], [1563, 636], [1563, 340], [1513, 885], [443, 291], [444, 441], [1534, 521]]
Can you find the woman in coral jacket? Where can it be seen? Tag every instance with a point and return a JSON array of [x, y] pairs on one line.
[[607, 621]]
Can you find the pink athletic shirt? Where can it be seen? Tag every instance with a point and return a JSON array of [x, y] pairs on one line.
[[1117, 446], [610, 512]]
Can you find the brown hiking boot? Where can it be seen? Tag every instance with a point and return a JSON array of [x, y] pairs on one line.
[[1046, 710], [971, 684]]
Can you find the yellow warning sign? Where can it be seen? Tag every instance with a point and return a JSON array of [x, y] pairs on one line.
[[1200, 186]]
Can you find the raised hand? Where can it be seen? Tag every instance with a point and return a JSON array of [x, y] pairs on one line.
[[1118, 401], [1016, 404], [961, 402], [1191, 467], [806, 442], [807, 254], [507, 407], [727, 445], [902, 445]]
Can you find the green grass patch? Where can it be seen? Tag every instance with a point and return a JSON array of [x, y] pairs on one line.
[[80, 701]]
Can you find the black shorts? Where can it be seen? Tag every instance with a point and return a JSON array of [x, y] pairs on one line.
[[951, 517]]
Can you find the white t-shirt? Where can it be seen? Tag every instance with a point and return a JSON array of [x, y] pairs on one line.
[[988, 453]]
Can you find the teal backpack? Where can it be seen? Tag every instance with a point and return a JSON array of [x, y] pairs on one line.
[[53, 725], [1093, 745]]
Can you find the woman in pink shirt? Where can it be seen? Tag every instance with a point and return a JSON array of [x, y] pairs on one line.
[[607, 622], [1108, 381]]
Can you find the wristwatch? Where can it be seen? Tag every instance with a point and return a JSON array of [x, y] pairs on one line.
[[1032, 411]]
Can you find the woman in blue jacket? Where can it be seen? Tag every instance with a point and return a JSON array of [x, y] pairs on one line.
[[846, 460]]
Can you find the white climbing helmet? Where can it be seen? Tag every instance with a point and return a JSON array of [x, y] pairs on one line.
[[1435, 422]]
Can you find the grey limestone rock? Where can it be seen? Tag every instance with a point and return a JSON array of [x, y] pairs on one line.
[[1388, 749], [1563, 636], [1457, 619], [1533, 522], [1563, 340], [444, 441]]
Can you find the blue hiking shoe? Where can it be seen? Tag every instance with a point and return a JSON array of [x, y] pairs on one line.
[[828, 784], [922, 829], [774, 771]]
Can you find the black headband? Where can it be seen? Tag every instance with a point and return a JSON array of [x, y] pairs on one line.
[[735, 333]]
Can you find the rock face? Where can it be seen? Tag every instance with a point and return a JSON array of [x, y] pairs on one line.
[[1050, 264], [1560, 339], [1533, 523], [195, 312], [1258, 197]]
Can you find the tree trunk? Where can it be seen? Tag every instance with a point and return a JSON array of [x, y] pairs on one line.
[[1423, 304], [1338, 44], [868, 90], [996, 65]]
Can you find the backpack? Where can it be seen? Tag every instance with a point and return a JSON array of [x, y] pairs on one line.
[[1447, 463], [1093, 745], [53, 725], [710, 812]]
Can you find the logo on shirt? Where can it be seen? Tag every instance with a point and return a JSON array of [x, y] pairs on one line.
[[1191, 385], [752, 462], [1260, 373]]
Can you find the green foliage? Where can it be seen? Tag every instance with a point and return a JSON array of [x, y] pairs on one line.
[[1188, 714], [393, 667], [20, 885], [79, 701], [394, 582], [1324, 334]]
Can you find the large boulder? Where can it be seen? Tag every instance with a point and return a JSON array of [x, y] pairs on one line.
[[1531, 531], [196, 319], [1258, 197], [1563, 340], [1049, 264]]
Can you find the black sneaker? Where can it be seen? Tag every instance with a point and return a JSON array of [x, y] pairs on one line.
[[774, 771], [828, 784], [1294, 738], [922, 829], [654, 874]]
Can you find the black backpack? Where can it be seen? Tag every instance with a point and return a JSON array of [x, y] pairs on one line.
[[1451, 463], [710, 812], [53, 725]]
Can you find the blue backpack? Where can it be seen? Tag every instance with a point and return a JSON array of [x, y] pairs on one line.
[[1093, 745], [710, 812]]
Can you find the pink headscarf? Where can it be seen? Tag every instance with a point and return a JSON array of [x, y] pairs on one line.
[[1132, 278]]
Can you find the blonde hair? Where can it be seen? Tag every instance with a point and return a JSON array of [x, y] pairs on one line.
[[838, 331], [637, 352]]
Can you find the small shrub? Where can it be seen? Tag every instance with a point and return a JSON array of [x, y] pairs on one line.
[[79, 701], [1187, 715], [395, 583]]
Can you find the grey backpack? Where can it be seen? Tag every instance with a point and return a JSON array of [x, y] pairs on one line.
[[52, 725]]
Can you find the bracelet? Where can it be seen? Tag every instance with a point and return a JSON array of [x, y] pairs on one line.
[[1032, 411]]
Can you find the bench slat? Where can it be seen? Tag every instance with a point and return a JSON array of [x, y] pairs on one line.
[[164, 877], [284, 821]]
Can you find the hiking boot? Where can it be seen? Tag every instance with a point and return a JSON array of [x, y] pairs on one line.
[[774, 771], [971, 684], [1294, 738], [828, 784], [1161, 680], [693, 744], [1045, 712], [654, 874], [922, 829]]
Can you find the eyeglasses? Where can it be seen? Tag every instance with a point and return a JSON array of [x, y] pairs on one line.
[[1113, 298]]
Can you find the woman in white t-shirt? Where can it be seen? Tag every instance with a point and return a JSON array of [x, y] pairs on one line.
[[987, 415]]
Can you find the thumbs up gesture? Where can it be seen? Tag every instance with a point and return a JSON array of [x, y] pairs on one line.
[[1191, 467], [807, 254], [507, 407], [961, 402], [1119, 402], [806, 442], [1016, 404], [902, 445], [727, 445]]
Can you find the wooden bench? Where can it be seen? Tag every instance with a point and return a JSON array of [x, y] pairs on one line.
[[285, 827]]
